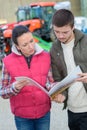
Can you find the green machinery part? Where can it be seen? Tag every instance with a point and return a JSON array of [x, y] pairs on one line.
[[44, 44]]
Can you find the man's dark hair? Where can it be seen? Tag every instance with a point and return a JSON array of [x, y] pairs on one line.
[[63, 17], [18, 31]]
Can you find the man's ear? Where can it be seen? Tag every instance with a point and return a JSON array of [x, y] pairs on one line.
[[73, 28]]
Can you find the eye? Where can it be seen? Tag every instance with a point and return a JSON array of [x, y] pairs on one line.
[[31, 40], [25, 44], [65, 32]]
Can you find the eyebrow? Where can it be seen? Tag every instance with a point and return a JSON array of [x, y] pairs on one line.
[[62, 32]]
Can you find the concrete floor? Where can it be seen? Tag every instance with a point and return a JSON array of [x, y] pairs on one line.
[[58, 117]]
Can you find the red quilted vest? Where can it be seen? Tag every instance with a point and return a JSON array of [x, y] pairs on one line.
[[31, 102]]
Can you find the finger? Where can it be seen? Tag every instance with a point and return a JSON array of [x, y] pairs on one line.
[[82, 79], [83, 74], [22, 81]]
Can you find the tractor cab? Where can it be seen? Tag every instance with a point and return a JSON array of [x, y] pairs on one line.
[[44, 11], [41, 11], [23, 13]]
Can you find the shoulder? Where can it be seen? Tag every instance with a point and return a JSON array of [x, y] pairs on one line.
[[9, 57], [56, 47], [80, 36], [46, 54]]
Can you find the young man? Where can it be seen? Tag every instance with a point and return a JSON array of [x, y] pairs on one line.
[[68, 51]]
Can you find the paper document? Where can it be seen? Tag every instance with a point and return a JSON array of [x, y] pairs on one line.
[[58, 87], [66, 82], [32, 83]]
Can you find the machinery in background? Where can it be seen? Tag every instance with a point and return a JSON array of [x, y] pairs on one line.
[[63, 5], [81, 23], [43, 11]]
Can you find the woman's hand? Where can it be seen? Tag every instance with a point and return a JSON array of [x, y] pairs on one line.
[[20, 84]]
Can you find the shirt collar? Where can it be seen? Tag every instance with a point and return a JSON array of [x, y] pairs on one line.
[[38, 49]]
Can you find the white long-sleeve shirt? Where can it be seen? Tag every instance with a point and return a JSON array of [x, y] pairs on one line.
[[77, 96]]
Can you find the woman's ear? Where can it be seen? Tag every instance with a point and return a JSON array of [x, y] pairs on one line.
[[17, 47]]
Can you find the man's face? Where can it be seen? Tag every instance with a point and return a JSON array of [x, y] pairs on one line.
[[64, 34]]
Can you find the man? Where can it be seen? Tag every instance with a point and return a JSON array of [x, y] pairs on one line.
[[68, 51]]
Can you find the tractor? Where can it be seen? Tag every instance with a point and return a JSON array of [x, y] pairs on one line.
[[43, 11]]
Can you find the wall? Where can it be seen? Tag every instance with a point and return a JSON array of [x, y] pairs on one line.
[[84, 7]]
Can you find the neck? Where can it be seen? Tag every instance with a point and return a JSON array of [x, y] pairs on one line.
[[70, 38]]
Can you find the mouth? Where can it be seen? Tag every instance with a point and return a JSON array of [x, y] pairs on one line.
[[62, 39], [31, 51]]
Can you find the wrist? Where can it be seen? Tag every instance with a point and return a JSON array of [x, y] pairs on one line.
[[15, 89]]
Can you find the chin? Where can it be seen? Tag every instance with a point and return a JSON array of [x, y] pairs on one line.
[[62, 40], [31, 53]]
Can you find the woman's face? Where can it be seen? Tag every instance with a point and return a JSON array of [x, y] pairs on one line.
[[26, 44]]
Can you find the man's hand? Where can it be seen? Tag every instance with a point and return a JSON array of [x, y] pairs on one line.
[[83, 78], [59, 98]]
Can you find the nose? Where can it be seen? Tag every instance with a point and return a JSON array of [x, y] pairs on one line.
[[60, 35], [30, 45]]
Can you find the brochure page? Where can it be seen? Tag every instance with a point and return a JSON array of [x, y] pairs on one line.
[[58, 87]]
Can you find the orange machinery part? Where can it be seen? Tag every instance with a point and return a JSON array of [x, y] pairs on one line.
[[43, 4]]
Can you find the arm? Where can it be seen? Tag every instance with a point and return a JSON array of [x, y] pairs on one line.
[[50, 80], [57, 74], [50, 83], [7, 89]]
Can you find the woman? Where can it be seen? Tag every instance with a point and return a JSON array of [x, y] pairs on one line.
[[29, 104]]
